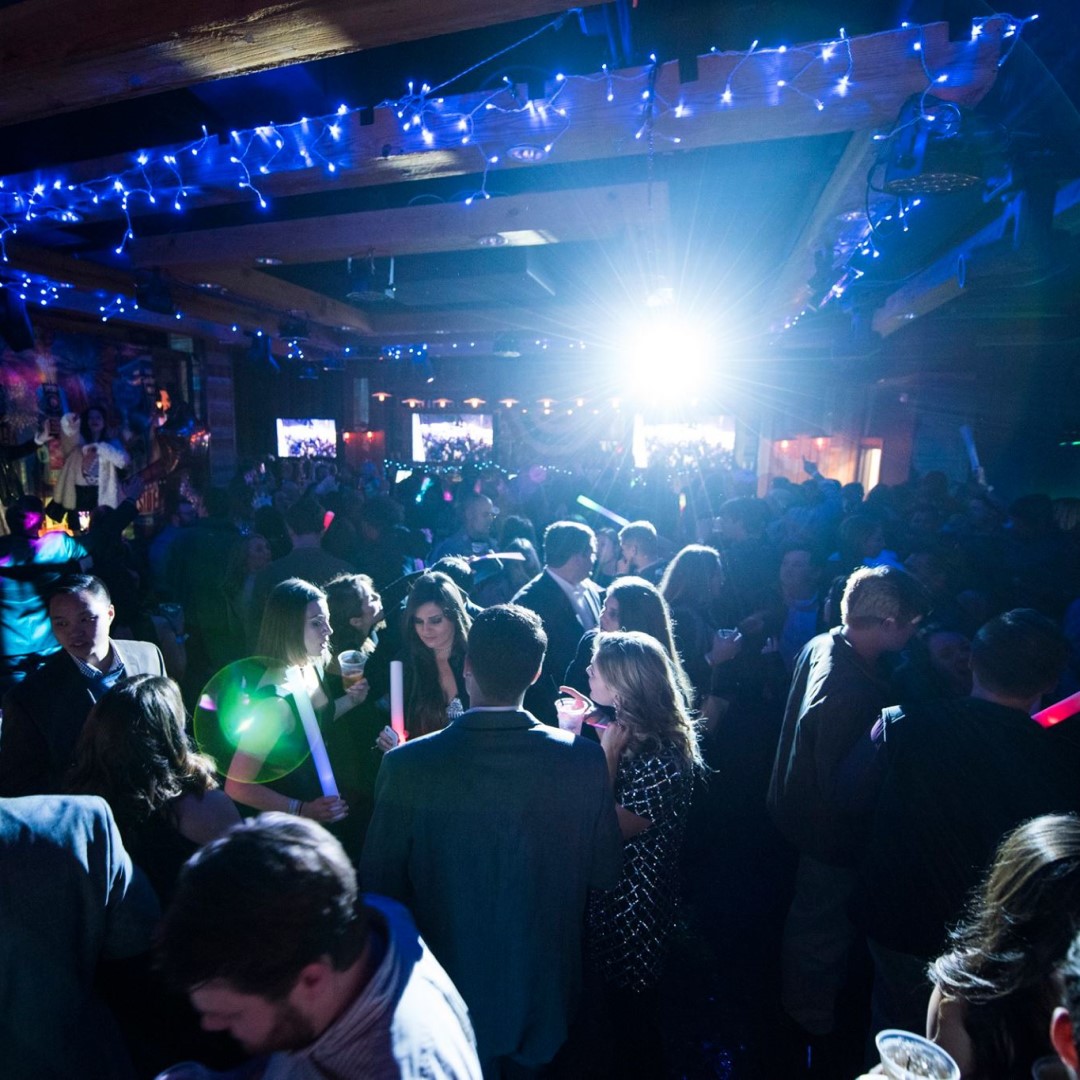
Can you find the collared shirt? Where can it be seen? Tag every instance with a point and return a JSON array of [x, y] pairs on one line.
[[101, 681], [582, 600]]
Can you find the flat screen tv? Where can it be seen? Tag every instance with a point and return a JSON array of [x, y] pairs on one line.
[[306, 438], [455, 437], [681, 445]]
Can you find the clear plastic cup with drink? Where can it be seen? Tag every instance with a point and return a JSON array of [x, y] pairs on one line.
[[906, 1056], [351, 662], [571, 713]]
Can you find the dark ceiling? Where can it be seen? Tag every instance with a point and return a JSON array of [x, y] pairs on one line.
[[759, 227]]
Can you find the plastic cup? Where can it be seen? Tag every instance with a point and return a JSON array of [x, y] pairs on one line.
[[905, 1056], [352, 663], [571, 712], [1049, 1068]]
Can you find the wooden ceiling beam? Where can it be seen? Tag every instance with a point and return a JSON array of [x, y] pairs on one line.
[[516, 220], [251, 286], [58, 56], [252, 303], [514, 133]]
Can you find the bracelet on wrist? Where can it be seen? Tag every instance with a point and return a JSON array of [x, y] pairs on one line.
[[295, 806]]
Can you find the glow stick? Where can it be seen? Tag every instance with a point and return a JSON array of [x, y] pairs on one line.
[[397, 699], [969, 444], [609, 514], [1060, 710], [319, 757]]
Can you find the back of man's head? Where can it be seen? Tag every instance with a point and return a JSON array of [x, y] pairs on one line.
[[565, 539], [874, 594], [305, 517], [1020, 654], [257, 906], [506, 650], [747, 511], [25, 516], [642, 534]]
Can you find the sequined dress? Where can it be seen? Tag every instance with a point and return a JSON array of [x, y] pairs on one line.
[[629, 925]]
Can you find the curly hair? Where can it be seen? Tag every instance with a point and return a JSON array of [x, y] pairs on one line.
[[649, 701], [425, 702], [1018, 929], [134, 752]]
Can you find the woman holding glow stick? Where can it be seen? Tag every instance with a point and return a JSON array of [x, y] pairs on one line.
[[436, 629], [283, 738]]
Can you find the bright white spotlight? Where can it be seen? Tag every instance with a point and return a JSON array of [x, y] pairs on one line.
[[666, 356]]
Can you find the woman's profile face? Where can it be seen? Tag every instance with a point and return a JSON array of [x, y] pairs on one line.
[[609, 617], [316, 629], [372, 612], [599, 690], [433, 627]]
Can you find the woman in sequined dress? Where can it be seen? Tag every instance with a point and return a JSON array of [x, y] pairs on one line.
[[652, 753]]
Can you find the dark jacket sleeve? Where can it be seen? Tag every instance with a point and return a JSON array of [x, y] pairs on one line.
[[24, 753]]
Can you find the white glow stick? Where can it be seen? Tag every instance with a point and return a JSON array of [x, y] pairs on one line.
[[319, 757], [397, 699], [609, 514]]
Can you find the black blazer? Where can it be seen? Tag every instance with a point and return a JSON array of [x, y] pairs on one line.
[[44, 716], [544, 596]]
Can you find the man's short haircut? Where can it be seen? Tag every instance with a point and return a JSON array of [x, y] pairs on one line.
[[305, 517], [874, 594], [78, 584], [750, 512], [506, 649], [565, 539], [25, 515], [255, 907], [643, 534], [1021, 653]]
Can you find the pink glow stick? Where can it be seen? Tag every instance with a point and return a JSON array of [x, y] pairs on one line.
[[1060, 710]]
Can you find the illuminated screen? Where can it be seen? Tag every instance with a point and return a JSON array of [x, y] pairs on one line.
[[461, 437], [306, 438], [682, 445]]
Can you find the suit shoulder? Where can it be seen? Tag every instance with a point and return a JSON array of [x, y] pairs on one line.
[[530, 589]]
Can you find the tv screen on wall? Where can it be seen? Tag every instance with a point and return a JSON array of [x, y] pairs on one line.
[[306, 438], [451, 438]]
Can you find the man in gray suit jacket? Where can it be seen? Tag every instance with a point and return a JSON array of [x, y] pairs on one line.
[[492, 831], [44, 714]]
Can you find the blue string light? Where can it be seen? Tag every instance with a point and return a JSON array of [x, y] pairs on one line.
[[428, 122]]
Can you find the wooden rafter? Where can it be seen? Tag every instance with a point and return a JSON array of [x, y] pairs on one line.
[[58, 56], [535, 218]]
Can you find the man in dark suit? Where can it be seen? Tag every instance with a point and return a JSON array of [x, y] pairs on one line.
[[44, 715], [492, 831], [568, 602]]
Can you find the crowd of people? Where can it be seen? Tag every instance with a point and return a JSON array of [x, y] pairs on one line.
[[782, 752]]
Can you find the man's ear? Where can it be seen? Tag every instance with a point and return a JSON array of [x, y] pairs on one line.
[[312, 980], [112, 614], [1061, 1037], [532, 681]]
